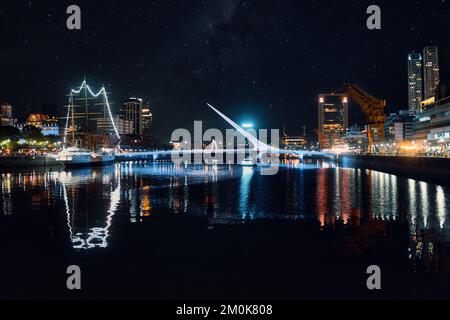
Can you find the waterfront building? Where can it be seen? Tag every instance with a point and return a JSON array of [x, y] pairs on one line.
[[415, 81], [6, 115], [430, 71], [49, 125], [433, 124], [125, 127], [356, 140], [294, 142], [403, 126], [333, 119], [132, 111], [147, 120], [389, 127], [50, 128], [104, 126]]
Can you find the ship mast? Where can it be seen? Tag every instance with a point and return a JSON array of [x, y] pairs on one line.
[[86, 106], [73, 118], [84, 112], [105, 137]]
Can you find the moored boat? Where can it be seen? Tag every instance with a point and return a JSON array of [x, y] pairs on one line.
[[77, 157], [90, 130]]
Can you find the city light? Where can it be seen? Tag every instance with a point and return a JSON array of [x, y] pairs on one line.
[[331, 183]]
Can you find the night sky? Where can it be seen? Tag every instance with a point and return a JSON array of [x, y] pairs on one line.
[[257, 60]]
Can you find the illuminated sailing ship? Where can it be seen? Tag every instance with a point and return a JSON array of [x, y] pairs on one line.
[[90, 131]]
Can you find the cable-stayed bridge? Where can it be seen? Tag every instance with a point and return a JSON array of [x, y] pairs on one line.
[[258, 148], [255, 148]]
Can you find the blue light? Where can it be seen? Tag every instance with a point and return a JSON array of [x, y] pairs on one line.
[[247, 125]]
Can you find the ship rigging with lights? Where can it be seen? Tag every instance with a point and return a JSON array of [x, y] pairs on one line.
[[90, 135]]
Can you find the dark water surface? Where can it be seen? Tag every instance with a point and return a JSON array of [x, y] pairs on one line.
[[153, 230]]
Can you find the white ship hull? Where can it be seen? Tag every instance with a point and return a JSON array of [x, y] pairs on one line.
[[73, 157]]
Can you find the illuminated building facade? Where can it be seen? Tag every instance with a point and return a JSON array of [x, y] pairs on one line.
[[425, 104], [124, 127], [132, 111], [104, 126], [49, 125], [433, 124], [6, 115], [415, 82], [389, 127], [147, 119], [294, 142], [356, 140], [430, 71], [403, 126], [333, 119]]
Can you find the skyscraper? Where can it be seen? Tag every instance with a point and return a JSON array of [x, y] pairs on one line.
[[415, 94], [430, 71], [147, 119], [333, 119], [132, 111]]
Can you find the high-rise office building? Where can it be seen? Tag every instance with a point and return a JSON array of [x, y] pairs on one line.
[[430, 71], [147, 119], [104, 126], [132, 111], [124, 127], [333, 119], [415, 94]]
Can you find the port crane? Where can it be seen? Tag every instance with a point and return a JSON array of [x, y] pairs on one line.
[[373, 110]]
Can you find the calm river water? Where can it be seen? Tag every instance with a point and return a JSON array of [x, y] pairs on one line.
[[154, 230]]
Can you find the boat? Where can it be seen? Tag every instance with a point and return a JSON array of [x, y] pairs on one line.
[[87, 138], [79, 157]]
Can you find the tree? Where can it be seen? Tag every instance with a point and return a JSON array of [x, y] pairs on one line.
[[32, 133], [10, 133]]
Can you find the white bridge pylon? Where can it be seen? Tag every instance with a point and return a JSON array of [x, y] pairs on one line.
[[257, 144], [262, 147]]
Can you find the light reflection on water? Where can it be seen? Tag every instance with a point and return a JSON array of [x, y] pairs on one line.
[[319, 191]]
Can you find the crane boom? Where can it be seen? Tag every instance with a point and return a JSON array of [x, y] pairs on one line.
[[373, 110]]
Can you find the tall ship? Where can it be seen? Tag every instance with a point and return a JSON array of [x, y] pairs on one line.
[[90, 135]]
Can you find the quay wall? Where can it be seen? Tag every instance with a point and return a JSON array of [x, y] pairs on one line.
[[27, 161], [434, 170]]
